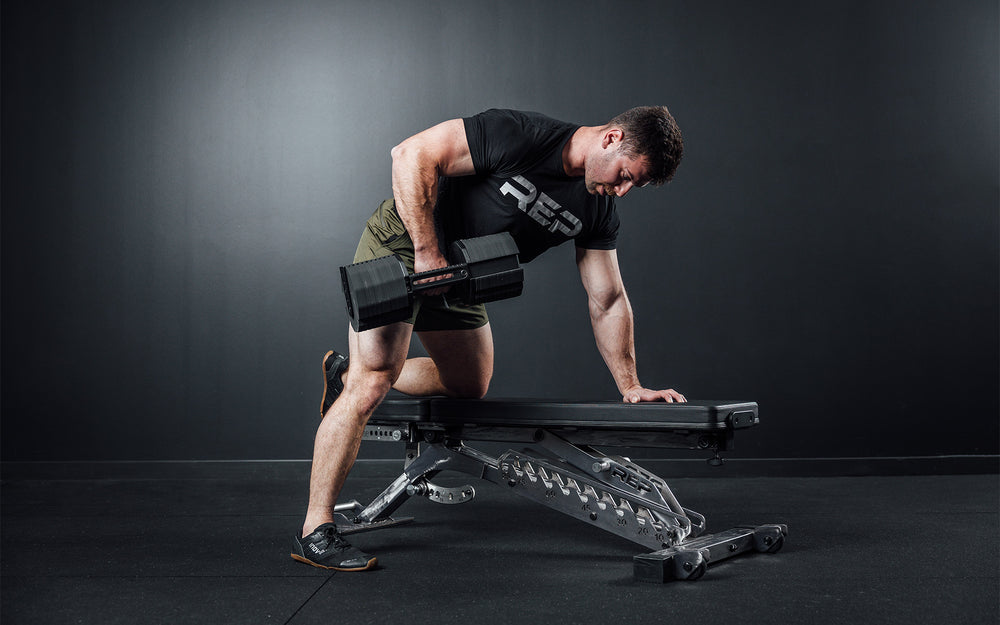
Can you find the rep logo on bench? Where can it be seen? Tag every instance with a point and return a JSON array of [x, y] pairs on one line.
[[634, 480]]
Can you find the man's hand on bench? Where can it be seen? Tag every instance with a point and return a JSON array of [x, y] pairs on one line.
[[638, 394]]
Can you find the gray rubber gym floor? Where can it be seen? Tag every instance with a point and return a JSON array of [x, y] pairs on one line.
[[190, 546]]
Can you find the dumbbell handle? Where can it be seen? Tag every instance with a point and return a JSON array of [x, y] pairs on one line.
[[458, 273]]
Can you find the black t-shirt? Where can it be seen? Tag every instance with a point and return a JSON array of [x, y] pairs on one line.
[[520, 187]]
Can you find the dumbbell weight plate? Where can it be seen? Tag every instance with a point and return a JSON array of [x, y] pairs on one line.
[[494, 271], [376, 292]]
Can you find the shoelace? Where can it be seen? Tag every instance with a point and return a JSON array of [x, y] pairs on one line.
[[334, 537]]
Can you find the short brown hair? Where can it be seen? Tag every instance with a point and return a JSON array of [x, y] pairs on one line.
[[652, 132]]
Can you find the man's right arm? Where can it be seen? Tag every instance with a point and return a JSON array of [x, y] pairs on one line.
[[417, 163]]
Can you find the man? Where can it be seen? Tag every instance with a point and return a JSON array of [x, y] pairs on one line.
[[545, 182]]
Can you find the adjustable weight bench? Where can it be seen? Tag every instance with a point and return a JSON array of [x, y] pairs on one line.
[[562, 468]]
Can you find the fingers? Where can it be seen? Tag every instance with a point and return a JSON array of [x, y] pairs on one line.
[[669, 396], [422, 264], [431, 292]]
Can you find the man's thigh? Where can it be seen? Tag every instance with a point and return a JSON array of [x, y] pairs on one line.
[[381, 349], [464, 358]]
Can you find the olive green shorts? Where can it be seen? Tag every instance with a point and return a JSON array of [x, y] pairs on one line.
[[385, 234]]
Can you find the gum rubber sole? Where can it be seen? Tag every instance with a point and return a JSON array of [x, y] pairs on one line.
[[326, 387], [371, 564]]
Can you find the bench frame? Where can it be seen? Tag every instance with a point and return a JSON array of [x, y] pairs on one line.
[[562, 469]]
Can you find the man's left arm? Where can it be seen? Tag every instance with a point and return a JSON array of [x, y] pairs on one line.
[[611, 318]]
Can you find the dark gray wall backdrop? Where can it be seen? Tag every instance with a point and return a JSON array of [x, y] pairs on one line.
[[181, 181]]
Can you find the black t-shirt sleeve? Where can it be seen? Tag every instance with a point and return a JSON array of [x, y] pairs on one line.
[[603, 235]]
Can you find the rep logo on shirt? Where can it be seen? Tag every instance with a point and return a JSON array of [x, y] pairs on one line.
[[541, 207]]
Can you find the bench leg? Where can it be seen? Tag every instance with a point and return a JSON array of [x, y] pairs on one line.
[[420, 468]]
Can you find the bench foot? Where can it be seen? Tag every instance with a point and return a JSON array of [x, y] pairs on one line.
[[689, 560], [348, 522], [356, 528]]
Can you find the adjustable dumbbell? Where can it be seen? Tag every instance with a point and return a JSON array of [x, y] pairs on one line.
[[380, 291]]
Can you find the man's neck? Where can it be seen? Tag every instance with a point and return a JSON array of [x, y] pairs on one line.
[[574, 156]]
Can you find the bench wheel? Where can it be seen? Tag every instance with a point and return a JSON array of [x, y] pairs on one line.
[[769, 539], [690, 565]]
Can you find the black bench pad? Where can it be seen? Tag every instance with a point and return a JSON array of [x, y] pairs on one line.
[[536, 413]]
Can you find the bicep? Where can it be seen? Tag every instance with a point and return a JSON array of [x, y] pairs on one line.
[[444, 146]]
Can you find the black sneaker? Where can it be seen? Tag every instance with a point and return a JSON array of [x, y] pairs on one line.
[[326, 548], [334, 365]]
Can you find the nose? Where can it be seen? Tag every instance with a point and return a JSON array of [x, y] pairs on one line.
[[622, 189]]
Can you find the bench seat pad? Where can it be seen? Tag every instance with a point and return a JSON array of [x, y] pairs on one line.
[[536, 413]]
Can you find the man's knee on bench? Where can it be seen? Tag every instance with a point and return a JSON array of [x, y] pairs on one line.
[[466, 388], [365, 391]]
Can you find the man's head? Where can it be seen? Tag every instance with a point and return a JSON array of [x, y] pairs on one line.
[[651, 131], [643, 145]]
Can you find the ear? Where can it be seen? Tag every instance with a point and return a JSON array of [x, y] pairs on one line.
[[612, 135]]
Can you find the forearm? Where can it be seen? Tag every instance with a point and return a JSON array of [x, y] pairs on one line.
[[414, 188], [613, 331], [611, 318]]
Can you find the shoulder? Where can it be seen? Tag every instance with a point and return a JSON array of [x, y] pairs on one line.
[[523, 122], [502, 139]]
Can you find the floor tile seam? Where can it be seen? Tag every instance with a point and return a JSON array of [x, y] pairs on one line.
[[390, 476], [810, 578], [823, 577], [9, 576], [957, 579], [15, 515], [839, 512], [715, 512], [309, 598], [773, 516]]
